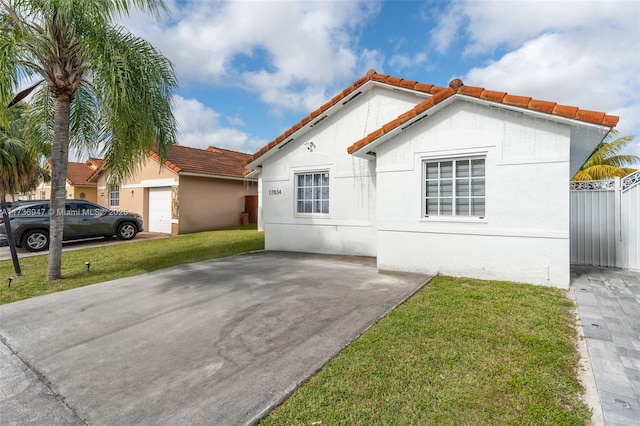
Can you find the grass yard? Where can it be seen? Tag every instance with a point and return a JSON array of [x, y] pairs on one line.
[[124, 260], [459, 352]]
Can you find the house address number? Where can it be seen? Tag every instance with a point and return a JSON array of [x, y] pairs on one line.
[[275, 192]]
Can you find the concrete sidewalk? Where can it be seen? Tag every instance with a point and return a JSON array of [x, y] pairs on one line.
[[217, 342], [609, 306]]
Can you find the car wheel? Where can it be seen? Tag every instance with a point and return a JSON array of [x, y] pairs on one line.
[[126, 231], [35, 240]]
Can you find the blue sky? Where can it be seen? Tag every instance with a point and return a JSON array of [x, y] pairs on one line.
[[248, 70]]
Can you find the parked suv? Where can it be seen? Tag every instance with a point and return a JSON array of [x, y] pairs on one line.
[[30, 223]]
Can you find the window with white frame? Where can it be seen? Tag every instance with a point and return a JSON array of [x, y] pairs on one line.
[[312, 193], [43, 195], [454, 187], [114, 196]]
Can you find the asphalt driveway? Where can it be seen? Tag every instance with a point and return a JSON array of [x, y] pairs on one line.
[[216, 342]]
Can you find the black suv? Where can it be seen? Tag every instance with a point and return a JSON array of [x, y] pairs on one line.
[[30, 223]]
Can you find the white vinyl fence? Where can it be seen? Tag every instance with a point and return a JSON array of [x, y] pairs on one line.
[[604, 222]]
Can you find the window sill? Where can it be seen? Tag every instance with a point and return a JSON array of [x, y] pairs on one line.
[[453, 219]]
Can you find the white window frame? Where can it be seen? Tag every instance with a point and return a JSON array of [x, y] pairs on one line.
[[114, 196], [313, 193], [453, 196]]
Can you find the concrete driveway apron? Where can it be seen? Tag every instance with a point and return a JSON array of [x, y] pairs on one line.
[[217, 342]]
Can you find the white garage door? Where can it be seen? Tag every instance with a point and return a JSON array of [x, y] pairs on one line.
[[160, 210]]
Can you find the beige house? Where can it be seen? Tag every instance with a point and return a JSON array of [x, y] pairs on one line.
[[192, 190], [78, 185]]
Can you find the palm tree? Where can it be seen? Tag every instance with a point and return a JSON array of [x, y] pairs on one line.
[[21, 149], [606, 161], [96, 85]]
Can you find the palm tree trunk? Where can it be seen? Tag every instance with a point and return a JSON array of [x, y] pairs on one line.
[[59, 164]]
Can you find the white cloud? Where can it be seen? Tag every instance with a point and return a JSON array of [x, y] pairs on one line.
[[309, 46], [446, 32], [236, 121], [199, 127], [572, 52], [401, 61], [564, 69], [490, 24]]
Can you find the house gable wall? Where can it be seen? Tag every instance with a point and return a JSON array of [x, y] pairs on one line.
[[349, 228], [134, 193], [524, 236], [207, 203]]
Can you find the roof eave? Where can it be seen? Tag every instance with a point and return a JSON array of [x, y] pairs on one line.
[[368, 151], [212, 176], [538, 114], [253, 174], [332, 110]]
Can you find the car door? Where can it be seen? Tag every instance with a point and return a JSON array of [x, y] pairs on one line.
[[92, 219], [72, 225]]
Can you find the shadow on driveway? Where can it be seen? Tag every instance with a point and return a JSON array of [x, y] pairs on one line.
[[217, 342]]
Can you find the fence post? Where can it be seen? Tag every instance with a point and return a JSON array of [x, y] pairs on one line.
[[620, 261]]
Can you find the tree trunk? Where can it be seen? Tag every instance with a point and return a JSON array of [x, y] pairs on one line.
[[59, 165]]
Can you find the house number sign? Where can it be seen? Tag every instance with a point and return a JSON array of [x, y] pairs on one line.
[[275, 192]]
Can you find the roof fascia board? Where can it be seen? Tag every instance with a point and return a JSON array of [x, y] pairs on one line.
[[253, 174], [546, 116], [386, 86], [365, 88], [214, 176], [362, 152]]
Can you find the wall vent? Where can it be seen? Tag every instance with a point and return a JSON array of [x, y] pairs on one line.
[[351, 98], [414, 122], [285, 144], [318, 121]]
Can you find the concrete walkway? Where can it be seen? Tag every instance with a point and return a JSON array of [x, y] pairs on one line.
[[609, 306], [211, 343]]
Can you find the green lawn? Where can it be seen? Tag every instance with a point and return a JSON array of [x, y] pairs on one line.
[[123, 260], [459, 352]]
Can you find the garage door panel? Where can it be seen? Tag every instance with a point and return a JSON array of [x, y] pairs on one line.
[[160, 210]]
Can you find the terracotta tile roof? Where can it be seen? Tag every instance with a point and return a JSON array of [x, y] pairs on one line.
[[370, 76], [439, 94], [94, 163], [457, 87], [211, 161], [79, 173]]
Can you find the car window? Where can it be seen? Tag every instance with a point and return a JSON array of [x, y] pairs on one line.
[[88, 209]]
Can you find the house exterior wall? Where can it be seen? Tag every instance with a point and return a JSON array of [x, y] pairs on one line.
[[134, 191], [524, 236], [349, 228], [88, 193], [206, 203]]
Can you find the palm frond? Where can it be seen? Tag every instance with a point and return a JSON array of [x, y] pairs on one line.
[[606, 161], [136, 85]]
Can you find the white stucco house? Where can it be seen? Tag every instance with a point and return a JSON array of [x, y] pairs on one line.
[[456, 180]]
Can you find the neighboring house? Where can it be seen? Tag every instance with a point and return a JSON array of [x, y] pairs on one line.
[[78, 185], [457, 180], [192, 190]]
